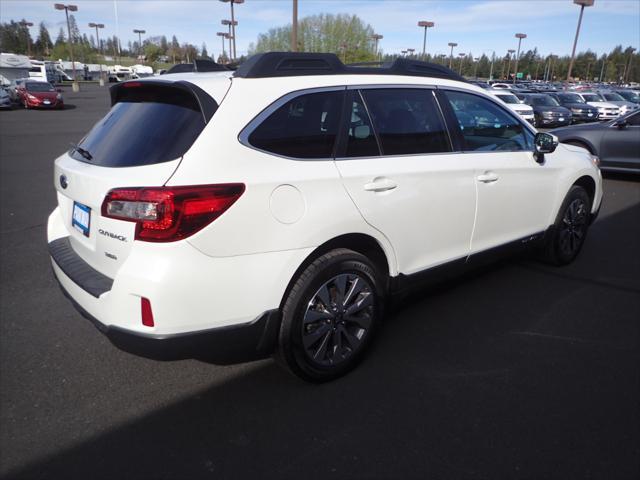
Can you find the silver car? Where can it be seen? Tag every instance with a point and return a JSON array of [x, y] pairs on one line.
[[617, 99], [5, 99]]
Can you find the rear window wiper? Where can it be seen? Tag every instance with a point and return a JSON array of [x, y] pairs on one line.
[[85, 153]]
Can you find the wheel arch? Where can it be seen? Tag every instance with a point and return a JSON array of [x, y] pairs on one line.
[[581, 142], [589, 185], [362, 243]]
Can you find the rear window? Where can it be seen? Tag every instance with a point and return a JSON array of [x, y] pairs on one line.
[[150, 124]]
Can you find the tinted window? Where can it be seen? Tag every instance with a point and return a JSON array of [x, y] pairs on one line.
[[487, 127], [304, 127], [407, 121], [39, 87], [148, 125], [634, 119], [614, 97], [361, 140], [544, 101]]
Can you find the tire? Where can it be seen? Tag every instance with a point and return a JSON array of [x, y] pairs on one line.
[[320, 342], [568, 233]]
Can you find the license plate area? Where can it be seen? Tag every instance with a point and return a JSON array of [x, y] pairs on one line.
[[81, 218]]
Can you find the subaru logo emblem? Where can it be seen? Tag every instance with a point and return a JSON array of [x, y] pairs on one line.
[[63, 181]]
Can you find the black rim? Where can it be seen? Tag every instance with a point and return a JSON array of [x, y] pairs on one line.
[[573, 228], [337, 320]]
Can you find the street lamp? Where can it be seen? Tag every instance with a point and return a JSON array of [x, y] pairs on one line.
[[582, 3], [628, 67], [425, 24], [28, 24], [410, 51], [230, 24], [443, 58], [139, 32], [475, 70], [519, 36], [509, 53], [72, 8], [233, 25], [376, 37], [461, 55], [451, 44], [222, 36], [97, 26]]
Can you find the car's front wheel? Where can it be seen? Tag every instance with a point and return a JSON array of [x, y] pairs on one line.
[[330, 315], [569, 231]]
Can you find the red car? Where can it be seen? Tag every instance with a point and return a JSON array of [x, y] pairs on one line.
[[39, 95]]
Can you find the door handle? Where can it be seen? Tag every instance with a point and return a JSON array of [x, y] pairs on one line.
[[487, 177], [380, 185]]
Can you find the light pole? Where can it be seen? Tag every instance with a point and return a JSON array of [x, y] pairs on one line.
[[509, 53], [97, 26], [519, 36], [233, 25], [628, 68], [294, 27], [230, 38], [139, 32], [67, 8], [451, 44], [426, 25], [461, 55], [410, 51], [230, 24], [222, 36], [604, 61], [376, 37], [582, 3], [28, 24], [443, 58], [475, 70]]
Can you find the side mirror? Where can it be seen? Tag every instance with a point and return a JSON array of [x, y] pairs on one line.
[[544, 143], [621, 123]]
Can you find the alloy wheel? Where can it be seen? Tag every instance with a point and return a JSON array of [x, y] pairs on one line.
[[338, 319], [574, 227]]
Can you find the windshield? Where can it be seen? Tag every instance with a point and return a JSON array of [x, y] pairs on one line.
[[39, 87], [509, 98], [544, 101], [571, 98], [592, 97], [613, 97]]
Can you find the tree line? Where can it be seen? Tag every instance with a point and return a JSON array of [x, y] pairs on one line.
[[346, 35], [16, 38]]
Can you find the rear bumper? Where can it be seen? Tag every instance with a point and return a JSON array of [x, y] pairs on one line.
[[223, 345]]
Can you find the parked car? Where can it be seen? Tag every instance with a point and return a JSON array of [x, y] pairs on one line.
[[615, 98], [331, 188], [5, 99], [581, 111], [606, 110], [616, 142], [547, 111], [13, 89], [629, 95], [525, 111], [40, 95]]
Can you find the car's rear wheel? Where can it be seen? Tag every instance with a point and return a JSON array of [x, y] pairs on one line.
[[569, 231], [330, 315]]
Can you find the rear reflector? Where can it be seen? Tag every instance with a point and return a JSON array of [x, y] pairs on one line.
[[167, 214], [147, 314]]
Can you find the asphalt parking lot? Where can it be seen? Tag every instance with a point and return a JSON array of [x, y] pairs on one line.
[[519, 371]]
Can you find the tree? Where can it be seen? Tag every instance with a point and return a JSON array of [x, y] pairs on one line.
[[75, 31], [61, 38], [43, 44], [203, 52], [14, 37], [346, 35]]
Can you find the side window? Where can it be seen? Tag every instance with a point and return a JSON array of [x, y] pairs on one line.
[[304, 127], [486, 126], [361, 140], [406, 120]]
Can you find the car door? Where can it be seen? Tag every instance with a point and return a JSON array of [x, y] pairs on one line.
[[620, 145], [515, 194], [397, 165]]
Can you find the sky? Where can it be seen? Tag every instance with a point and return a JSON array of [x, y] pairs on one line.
[[478, 26]]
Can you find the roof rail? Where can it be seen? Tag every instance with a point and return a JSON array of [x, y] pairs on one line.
[[292, 64]]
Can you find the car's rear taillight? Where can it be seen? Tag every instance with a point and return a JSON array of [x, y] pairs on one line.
[[166, 214]]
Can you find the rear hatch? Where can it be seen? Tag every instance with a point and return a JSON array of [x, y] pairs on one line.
[[139, 143]]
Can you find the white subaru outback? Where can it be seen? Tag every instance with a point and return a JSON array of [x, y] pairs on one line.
[[275, 209]]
